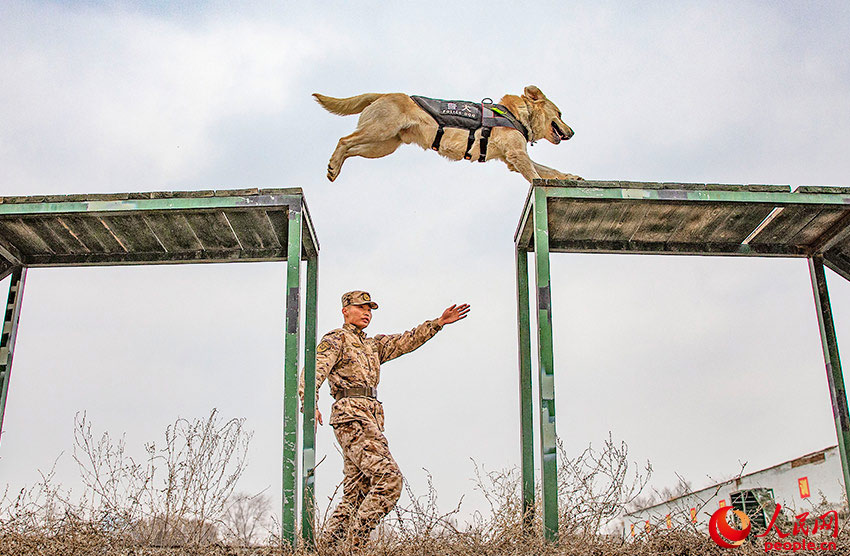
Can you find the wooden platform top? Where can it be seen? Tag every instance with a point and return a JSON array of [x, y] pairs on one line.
[[692, 219], [159, 227]]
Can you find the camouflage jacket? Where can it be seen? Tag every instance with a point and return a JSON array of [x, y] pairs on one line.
[[348, 359]]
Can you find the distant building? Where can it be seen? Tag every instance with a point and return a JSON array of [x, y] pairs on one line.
[[811, 483]]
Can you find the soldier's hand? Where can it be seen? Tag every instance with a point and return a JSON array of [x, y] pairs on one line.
[[453, 314], [319, 416]]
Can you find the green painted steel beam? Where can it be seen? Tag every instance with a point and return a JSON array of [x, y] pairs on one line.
[[290, 378], [545, 356], [165, 204], [308, 496], [834, 375], [526, 403], [672, 195], [146, 257], [8, 334], [627, 184]]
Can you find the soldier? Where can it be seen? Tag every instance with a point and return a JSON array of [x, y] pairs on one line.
[[351, 362]]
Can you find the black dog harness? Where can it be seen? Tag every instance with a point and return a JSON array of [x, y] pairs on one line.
[[471, 116]]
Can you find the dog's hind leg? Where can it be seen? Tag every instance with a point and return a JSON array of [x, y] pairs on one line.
[[338, 157], [376, 150], [358, 144], [341, 153], [377, 132]]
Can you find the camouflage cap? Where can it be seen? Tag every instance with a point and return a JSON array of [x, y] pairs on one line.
[[358, 297]]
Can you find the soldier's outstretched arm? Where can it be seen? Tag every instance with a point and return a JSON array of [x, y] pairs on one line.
[[391, 346], [327, 354]]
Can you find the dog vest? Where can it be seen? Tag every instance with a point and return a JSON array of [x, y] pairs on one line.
[[471, 116]]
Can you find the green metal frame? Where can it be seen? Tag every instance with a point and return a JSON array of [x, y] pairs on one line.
[[526, 404], [125, 205], [290, 416], [834, 376], [300, 236], [8, 334], [308, 517], [290, 375], [536, 210], [546, 371]]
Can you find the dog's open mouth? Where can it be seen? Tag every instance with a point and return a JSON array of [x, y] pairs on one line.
[[558, 134]]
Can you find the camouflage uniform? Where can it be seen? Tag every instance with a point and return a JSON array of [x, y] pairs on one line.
[[348, 359]]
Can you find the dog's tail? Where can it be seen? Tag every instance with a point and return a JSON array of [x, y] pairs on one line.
[[346, 106]]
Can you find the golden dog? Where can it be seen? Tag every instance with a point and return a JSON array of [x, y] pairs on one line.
[[388, 120]]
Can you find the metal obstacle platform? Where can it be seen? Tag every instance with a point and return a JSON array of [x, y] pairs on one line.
[[561, 216], [179, 227], [558, 216]]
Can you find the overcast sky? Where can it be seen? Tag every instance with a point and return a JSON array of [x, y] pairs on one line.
[[699, 364]]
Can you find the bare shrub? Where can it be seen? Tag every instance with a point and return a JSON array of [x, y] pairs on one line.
[[247, 519], [180, 491], [418, 522], [177, 495], [140, 509], [646, 499], [596, 486]]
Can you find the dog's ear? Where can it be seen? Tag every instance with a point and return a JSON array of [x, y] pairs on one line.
[[534, 94]]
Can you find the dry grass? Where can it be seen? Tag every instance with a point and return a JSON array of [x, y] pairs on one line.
[[180, 501]]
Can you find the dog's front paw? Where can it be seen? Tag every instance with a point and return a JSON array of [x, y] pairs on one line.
[[563, 176]]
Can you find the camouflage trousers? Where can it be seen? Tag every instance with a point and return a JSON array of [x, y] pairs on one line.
[[372, 482]]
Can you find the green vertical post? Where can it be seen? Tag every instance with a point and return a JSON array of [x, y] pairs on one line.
[[290, 375], [834, 376], [545, 357], [8, 334], [526, 404], [308, 500]]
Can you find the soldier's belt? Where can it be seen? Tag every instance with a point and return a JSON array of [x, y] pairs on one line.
[[356, 393]]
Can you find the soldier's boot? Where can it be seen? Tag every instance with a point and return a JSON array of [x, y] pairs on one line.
[[382, 497], [354, 492]]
